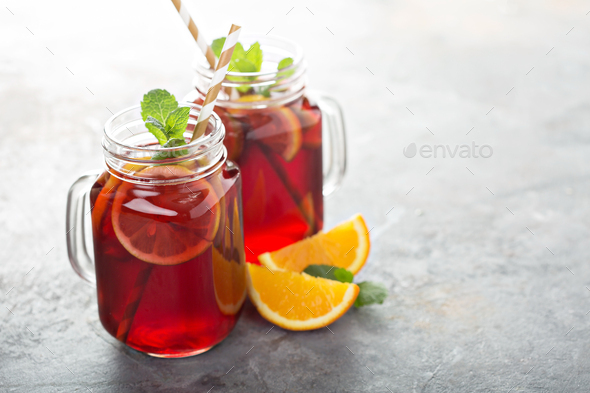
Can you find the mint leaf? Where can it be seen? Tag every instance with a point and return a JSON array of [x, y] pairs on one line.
[[244, 65], [251, 60], [166, 121], [286, 62], [264, 91], [370, 293], [343, 275], [239, 53], [329, 272], [241, 61], [176, 122], [324, 271], [158, 103], [217, 46], [254, 55], [160, 136], [156, 128], [173, 142], [156, 123]]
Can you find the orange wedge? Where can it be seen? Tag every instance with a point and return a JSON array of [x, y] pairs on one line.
[[298, 301], [346, 245]]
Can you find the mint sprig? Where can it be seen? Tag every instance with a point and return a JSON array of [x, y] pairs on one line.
[[248, 61], [370, 292], [241, 60], [165, 120]]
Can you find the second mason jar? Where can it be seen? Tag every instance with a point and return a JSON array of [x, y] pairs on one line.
[[289, 144]]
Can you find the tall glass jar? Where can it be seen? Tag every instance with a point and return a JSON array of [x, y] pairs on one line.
[[277, 132], [168, 259]]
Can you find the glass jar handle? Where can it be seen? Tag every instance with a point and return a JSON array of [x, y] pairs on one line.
[[77, 211], [334, 151]]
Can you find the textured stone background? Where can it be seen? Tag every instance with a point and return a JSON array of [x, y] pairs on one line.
[[478, 302]]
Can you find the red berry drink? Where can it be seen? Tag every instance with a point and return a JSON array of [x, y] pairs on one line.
[[170, 274], [279, 152]]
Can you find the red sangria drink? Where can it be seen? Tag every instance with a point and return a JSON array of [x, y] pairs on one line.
[[167, 232], [274, 133]]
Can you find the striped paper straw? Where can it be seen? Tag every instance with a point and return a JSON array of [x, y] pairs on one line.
[[201, 41], [215, 85]]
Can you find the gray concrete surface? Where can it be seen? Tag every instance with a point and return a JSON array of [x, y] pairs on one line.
[[486, 259]]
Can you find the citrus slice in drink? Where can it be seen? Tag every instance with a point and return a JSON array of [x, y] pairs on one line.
[[311, 127], [298, 301], [229, 267], [252, 98], [229, 281], [238, 239], [346, 245], [280, 130], [165, 225], [101, 202], [109, 188]]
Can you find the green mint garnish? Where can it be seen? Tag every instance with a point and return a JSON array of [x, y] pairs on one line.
[[329, 272], [370, 292], [249, 61], [254, 55], [286, 62], [165, 120], [217, 46], [241, 60], [343, 275]]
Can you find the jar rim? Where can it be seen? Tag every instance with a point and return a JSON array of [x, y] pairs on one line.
[[214, 121], [122, 146]]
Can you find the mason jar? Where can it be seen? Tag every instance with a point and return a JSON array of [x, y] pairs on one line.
[[168, 249], [289, 144]]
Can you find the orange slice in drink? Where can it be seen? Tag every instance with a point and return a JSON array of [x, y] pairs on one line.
[[347, 246], [281, 132], [229, 274], [311, 126], [101, 202], [252, 98], [166, 225], [238, 239], [298, 301], [229, 280], [107, 191]]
